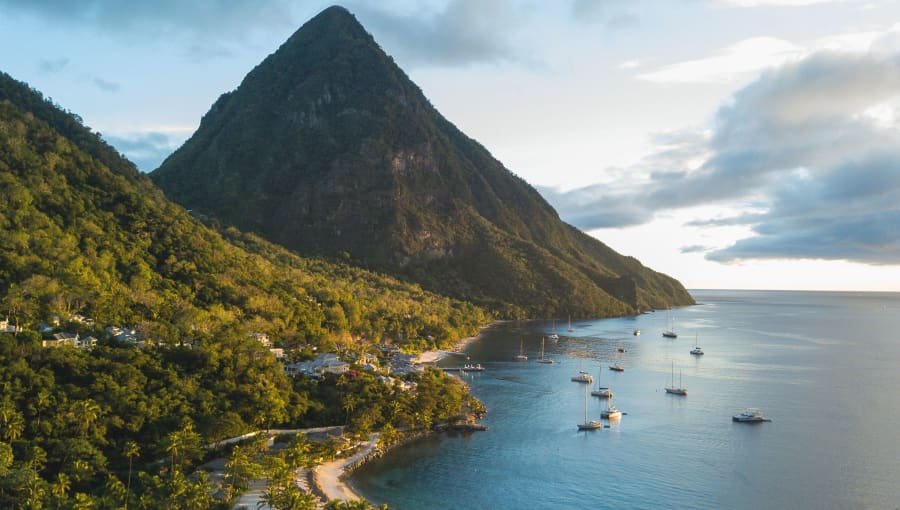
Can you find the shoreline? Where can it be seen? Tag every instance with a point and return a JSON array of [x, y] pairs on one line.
[[460, 346], [332, 478]]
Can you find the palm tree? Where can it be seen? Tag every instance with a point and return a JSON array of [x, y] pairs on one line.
[[63, 484], [11, 423], [131, 450], [182, 443], [85, 413]]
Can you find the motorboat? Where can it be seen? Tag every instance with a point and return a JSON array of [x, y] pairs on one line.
[[751, 415], [615, 367], [636, 332]]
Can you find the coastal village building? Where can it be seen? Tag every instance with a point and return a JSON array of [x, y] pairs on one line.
[[323, 364], [6, 327], [261, 338], [71, 340], [128, 336]]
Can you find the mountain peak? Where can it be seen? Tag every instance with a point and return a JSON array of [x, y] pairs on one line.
[[328, 148], [331, 25]]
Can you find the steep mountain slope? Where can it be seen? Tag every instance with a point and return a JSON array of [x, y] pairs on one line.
[[328, 148]]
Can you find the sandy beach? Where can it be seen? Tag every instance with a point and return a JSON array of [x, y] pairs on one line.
[[329, 476], [459, 346]]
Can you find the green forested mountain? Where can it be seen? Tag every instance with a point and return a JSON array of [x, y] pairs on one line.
[[82, 232], [328, 148]]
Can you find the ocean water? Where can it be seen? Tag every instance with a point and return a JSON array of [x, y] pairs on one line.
[[825, 367]]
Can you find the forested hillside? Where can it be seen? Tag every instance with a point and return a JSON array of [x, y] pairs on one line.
[[86, 242]]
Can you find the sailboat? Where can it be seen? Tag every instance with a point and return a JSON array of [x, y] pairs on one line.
[[543, 359], [553, 336], [696, 351], [570, 324], [616, 367], [679, 390], [601, 391], [670, 332], [582, 376], [589, 425], [611, 412], [521, 356]]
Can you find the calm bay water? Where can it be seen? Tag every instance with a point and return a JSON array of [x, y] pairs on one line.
[[824, 366]]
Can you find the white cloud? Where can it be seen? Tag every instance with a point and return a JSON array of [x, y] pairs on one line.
[[809, 150], [739, 60], [631, 64]]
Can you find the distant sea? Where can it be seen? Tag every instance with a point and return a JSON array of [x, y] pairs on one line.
[[824, 366]]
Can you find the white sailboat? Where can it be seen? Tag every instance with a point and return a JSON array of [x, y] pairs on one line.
[[670, 327], [543, 359], [696, 351], [553, 336], [570, 324], [676, 390], [582, 376], [601, 391], [592, 424], [611, 412], [521, 356]]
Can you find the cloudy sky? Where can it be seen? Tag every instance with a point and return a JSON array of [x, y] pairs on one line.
[[729, 143]]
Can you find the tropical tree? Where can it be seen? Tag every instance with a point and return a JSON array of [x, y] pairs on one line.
[[131, 451]]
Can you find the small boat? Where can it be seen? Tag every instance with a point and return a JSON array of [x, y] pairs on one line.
[[670, 328], [592, 424], [583, 377], [696, 351], [636, 332], [611, 412], [621, 349], [553, 336], [601, 391], [676, 390], [472, 368], [543, 359], [615, 367], [751, 415], [521, 356]]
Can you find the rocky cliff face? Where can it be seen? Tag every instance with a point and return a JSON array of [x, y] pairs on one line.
[[328, 148]]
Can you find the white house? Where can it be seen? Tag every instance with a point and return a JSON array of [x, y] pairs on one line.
[[6, 327], [261, 338]]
